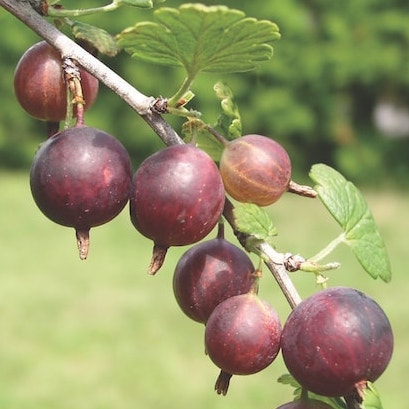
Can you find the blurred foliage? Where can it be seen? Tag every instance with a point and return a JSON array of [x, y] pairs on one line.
[[335, 63]]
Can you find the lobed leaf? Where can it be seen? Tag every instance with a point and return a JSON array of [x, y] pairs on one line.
[[349, 208], [201, 38], [99, 38]]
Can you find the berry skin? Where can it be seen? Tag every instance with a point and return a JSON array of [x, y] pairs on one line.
[[255, 169], [336, 340], [305, 404], [177, 196], [242, 335], [207, 274], [39, 84]]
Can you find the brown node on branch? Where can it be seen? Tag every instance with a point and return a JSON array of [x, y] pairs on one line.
[[160, 106], [40, 6]]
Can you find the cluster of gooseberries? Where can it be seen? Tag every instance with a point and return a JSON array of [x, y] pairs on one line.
[[332, 343]]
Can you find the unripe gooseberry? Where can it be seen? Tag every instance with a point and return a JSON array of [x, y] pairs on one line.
[[255, 169]]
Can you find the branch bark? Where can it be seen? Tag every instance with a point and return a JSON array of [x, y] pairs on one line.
[[142, 104], [272, 259]]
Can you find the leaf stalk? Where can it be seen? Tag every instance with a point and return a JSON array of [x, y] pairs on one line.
[[328, 249], [183, 89], [61, 12]]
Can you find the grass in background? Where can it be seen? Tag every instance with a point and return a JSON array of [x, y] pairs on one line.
[[102, 334]]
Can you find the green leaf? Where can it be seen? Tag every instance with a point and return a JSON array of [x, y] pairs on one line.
[[372, 400], [254, 221], [203, 140], [99, 38], [349, 208], [229, 120], [201, 38], [287, 379]]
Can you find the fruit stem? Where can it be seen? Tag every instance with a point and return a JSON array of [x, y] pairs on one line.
[[75, 95], [158, 258], [69, 110], [82, 242], [78, 101], [220, 229], [216, 134], [304, 394], [353, 402], [301, 190], [222, 383]]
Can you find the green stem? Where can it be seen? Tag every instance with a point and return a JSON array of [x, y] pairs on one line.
[[183, 112], [57, 12], [184, 88], [328, 249]]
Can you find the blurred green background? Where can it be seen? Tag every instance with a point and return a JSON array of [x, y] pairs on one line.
[[101, 333], [336, 91]]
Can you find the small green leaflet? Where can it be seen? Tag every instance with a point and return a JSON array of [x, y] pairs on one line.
[[201, 38], [349, 208], [229, 120], [254, 221], [287, 379], [372, 400], [204, 140], [99, 38]]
